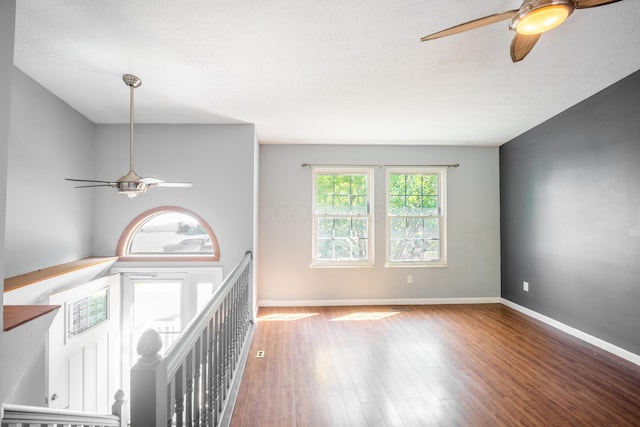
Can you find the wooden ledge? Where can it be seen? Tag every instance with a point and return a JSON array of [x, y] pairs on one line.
[[22, 280], [16, 315]]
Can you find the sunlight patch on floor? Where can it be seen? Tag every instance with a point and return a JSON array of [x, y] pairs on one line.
[[366, 316], [285, 317]]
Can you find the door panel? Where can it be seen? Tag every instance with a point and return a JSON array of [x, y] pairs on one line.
[[83, 345], [74, 389]]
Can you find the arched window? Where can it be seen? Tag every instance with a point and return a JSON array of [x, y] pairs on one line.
[[168, 233]]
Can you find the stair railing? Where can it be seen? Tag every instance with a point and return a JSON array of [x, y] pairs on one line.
[[22, 415], [196, 382]]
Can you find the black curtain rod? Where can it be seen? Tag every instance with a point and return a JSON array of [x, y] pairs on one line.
[[309, 165]]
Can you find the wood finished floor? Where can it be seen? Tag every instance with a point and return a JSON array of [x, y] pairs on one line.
[[463, 365]]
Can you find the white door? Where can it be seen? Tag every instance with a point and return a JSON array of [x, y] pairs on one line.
[[84, 347]]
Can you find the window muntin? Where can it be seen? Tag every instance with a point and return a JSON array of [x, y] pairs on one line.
[[416, 217], [342, 217]]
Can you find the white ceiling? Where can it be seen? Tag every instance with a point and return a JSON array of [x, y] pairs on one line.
[[330, 71]]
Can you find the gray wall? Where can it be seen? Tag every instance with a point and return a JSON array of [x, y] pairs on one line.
[[284, 271], [570, 216], [217, 159], [7, 26], [48, 222]]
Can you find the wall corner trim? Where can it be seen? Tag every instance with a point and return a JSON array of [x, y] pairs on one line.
[[604, 345], [397, 301]]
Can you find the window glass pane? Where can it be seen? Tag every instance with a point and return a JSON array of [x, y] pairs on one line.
[[431, 228], [324, 204], [432, 251], [342, 228], [341, 204], [430, 184], [359, 205], [396, 205], [413, 204], [156, 306], [171, 233], [430, 205], [203, 292], [325, 249], [342, 239], [325, 227], [358, 184], [396, 184], [325, 184], [87, 312]]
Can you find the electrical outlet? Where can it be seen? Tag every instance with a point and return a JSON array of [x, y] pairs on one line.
[[260, 354], [409, 279], [525, 286]]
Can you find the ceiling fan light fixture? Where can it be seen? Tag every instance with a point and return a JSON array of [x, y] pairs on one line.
[[132, 189], [539, 17]]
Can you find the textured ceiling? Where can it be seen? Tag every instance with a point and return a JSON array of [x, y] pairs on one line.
[[322, 71]]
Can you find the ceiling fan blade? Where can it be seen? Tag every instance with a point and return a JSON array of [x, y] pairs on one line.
[[174, 184], [88, 180], [585, 4], [521, 45], [155, 182], [93, 185], [471, 25], [150, 180]]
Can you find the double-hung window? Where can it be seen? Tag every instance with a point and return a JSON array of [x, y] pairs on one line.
[[342, 217], [416, 217]]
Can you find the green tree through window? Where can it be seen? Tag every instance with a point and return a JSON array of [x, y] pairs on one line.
[[342, 217], [416, 217]]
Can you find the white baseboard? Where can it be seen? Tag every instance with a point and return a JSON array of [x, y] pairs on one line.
[[611, 348], [356, 302]]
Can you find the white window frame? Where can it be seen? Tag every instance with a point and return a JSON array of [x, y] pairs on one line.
[[442, 215], [368, 172]]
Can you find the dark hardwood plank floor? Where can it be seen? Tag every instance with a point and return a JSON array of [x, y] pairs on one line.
[[442, 365]]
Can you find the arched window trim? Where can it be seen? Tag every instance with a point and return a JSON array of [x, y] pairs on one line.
[[134, 226]]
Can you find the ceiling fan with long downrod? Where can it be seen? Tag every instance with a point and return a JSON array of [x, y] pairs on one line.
[[130, 184], [532, 19]]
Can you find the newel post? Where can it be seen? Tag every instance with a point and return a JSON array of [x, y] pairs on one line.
[[119, 408], [148, 381]]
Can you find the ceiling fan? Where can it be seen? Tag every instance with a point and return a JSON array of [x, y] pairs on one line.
[[532, 19], [130, 184]]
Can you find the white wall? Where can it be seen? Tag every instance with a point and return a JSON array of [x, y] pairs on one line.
[[284, 238], [48, 221], [217, 159]]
